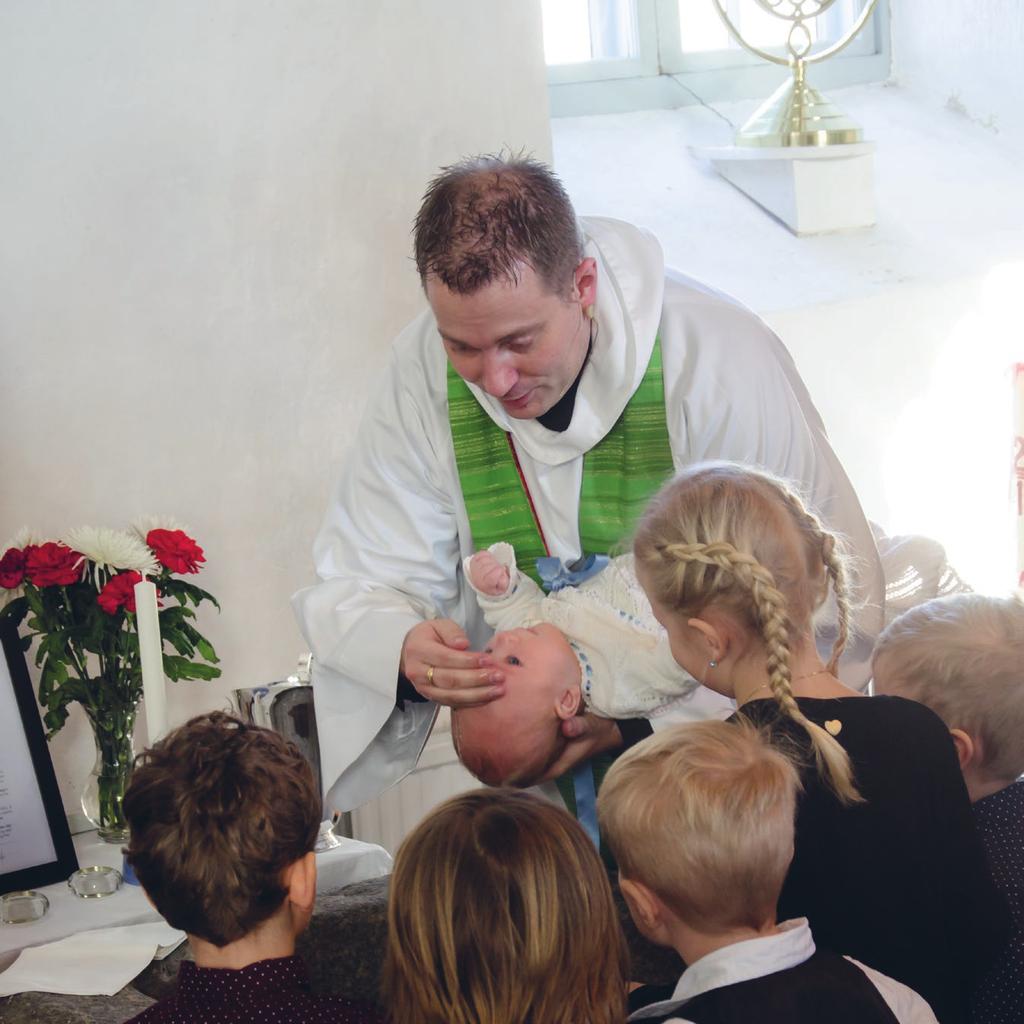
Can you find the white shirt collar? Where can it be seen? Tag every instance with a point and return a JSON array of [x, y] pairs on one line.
[[630, 288], [792, 944]]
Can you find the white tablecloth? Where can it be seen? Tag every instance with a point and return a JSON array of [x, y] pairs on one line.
[[350, 862]]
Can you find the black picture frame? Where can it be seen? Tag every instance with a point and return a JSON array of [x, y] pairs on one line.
[[65, 861]]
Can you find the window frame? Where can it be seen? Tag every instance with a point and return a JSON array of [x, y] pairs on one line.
[[662, 76]]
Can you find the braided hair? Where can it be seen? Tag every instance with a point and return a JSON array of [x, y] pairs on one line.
[[742, 540]]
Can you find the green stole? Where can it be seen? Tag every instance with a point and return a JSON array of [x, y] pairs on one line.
[[620, 474]]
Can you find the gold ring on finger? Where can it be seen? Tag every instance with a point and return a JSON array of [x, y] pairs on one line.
[[430, 675]]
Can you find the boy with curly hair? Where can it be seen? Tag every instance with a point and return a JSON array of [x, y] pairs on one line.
[[223, 819]]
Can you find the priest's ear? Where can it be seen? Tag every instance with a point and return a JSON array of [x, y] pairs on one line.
[[584, 285]]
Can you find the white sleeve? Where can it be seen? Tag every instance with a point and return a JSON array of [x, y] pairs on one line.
[[523, 600], [734, 393], [387, 557], [906, 1005]]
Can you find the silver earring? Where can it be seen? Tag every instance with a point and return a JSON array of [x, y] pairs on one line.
[[712, 663]]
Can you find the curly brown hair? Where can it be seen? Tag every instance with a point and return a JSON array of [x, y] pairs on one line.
[[217, 810]]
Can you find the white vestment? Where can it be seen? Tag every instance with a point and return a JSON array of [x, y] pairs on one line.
[[390, 549]]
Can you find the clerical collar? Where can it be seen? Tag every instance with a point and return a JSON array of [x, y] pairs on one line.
[[559, 416]]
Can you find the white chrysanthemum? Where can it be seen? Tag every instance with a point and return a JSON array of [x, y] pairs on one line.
[[143, 525], [111, 549], [22, 539]]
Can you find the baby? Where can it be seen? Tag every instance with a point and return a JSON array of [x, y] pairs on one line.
[[596, 647]]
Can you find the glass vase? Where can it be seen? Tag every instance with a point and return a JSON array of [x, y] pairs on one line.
[[115, 756]]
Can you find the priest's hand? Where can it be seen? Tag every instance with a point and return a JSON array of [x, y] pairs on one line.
[[437, 661], [588, 736]]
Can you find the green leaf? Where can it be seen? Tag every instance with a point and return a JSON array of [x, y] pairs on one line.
[[181, 668], [205, 648], [54, 720]]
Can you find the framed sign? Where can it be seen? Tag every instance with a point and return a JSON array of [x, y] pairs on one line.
[[35, 843]]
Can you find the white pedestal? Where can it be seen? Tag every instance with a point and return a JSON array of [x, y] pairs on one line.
[[811, 189]]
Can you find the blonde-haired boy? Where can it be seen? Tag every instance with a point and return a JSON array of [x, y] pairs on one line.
[[963, 657], [700, 819]]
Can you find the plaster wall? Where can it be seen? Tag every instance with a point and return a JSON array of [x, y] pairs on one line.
[[205, 253], [966, 56]]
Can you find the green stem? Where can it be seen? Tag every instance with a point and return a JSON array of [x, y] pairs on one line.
[[113, 732]]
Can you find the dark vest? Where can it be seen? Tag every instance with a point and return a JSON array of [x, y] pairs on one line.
[[826, 989]]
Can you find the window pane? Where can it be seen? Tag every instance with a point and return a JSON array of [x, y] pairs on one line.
[[582, 30], [702, 30], [566, 31]]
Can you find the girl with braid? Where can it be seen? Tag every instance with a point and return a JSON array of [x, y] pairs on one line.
[[888, 867]]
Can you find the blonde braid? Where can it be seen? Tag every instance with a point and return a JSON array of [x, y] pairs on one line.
[[834, 563], [832, 761], [836, 567]]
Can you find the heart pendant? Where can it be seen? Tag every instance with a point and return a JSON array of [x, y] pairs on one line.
[[833, 726]]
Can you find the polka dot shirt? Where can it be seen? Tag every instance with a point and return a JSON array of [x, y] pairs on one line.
[[266, 992], [999, 999]]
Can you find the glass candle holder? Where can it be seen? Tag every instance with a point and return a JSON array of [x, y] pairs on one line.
[[95, 881], [23, 907]]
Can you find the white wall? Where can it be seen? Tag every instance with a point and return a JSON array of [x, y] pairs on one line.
[[965, 55], [206, 211], [915, 388]]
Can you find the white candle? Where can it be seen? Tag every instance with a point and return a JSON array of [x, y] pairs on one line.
[[151, 659]]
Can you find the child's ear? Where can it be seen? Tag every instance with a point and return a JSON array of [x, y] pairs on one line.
[[300, 881], [968, 749], [714, 637], [647, 911], [568, 703]]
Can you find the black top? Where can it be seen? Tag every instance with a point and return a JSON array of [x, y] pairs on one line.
[[1000, 996], [824, 988], [899, 882], [269, 992]]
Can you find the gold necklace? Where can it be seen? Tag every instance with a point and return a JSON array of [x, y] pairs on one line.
[[797, 679], [810, 675]]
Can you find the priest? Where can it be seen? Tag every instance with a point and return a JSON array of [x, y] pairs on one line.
[[558, 376]]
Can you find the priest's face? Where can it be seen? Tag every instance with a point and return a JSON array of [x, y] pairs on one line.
[[517, 340]]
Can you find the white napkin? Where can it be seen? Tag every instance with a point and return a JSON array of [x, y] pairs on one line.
[[94, 963]]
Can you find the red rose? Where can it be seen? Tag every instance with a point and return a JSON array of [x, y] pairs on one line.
[[52, 564], [120, 590], [12, 568], [176, 550]]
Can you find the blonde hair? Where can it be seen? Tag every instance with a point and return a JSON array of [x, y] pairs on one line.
[[963, 656], [702, 814], [742, 540], [500, 912]]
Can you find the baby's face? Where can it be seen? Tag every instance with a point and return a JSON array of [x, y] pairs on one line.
[[515, 737], [535, 656]]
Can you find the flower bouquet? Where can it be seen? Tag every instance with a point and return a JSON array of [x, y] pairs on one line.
[[76, 596]]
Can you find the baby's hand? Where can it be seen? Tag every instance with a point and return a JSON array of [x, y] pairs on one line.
[[487, 574]]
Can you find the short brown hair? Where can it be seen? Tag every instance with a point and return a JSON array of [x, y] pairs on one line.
[[217, 810], [702, 814], [963, 657], [500, 912], [483, 218]]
